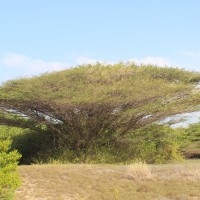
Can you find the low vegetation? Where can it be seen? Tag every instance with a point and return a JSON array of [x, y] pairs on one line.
[[152, 144]]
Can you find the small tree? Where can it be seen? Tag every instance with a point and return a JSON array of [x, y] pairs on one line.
[[97, 105]]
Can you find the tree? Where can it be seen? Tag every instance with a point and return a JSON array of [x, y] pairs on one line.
[[97, 105]]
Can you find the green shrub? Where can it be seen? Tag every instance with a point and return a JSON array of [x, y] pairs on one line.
[[9, 179], [30, 144], [191, 145], [155, 144], [152, 144]]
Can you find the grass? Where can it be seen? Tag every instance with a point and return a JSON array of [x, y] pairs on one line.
[[110, 182]]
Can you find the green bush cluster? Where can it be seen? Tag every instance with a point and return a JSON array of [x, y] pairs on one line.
[[152, 144], [9, 179], [191, 144], [156, 144]]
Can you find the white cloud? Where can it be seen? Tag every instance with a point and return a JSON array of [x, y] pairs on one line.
[[82, 60], [192, 54], [28, 65], [15, 65], [85, 60], [144, 61], [152, 61]]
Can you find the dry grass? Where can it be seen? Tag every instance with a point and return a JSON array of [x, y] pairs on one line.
[[138, 171], [110, 182]]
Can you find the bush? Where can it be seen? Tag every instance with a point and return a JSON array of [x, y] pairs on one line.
[[191, 145], [155, 144], [9, 179], [152, 144]]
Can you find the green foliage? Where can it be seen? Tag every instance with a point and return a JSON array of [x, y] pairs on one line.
[[80, 84], [9, 132], [89, 113], [9, 179], [175, 75], [193, 132], [30, 144], [152, 144], [191, 145], [156, 144]]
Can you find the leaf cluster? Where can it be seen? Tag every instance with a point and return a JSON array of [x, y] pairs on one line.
[[9, 179]]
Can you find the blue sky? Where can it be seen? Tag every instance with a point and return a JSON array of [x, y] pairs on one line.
[[45, 35]]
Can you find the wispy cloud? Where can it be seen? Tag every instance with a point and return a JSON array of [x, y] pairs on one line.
[[16, 65], [160, 61], [82, 60], [29, 65], [192, 54]]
